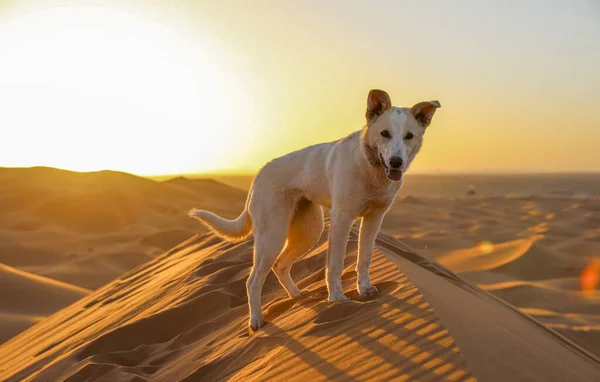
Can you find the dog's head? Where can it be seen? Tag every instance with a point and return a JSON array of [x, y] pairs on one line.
[[393, 135]]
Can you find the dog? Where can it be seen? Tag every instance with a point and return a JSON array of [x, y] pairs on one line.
[[355, 177]]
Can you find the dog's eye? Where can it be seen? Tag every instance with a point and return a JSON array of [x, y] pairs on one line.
[[409, 136], [385, 134]]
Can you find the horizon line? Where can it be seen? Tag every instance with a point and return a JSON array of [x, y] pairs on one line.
[[233, 173]]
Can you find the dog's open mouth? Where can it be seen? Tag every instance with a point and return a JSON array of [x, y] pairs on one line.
[[392, 174]]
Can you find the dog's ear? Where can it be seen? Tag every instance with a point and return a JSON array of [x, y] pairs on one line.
[[424, 111], [378, 101]]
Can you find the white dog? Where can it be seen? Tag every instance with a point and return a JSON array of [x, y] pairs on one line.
[[356, 176]]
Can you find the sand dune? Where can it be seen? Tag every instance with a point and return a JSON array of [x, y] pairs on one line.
[[487, 256], [183, 316], [521, 259], [25, 298], [41, 292], [102, 201]]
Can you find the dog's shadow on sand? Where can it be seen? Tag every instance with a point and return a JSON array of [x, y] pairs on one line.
[[312, 298], [408, 344]]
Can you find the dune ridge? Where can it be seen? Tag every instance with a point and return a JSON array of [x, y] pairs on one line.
[[439, 270]]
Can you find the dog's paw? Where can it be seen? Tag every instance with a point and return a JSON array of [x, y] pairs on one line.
[[339, 296], [255, 324], [370, 291], [298, 293]]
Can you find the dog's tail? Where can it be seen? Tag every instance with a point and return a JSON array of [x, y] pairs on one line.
[[232, 230]]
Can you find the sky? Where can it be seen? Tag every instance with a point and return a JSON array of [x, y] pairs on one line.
[[155, 87]]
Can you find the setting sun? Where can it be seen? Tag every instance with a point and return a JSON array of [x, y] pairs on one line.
[[89, 88]]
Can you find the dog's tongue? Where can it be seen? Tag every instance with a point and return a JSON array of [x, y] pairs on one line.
[[394, 175]]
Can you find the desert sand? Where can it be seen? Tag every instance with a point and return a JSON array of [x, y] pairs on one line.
[[496, 286]]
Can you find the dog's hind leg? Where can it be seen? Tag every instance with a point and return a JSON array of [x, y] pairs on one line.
[[270, 232], [266, 248], [304, 232]]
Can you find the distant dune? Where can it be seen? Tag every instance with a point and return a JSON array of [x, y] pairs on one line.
[[88, 228], [26, 298]]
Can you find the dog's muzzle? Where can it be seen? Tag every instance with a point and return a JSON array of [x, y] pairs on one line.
[[393, 174]]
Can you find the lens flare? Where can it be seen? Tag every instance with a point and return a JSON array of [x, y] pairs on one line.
[[485, 247], [590, 276]]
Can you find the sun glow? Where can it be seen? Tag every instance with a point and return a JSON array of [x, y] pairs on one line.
[[485, 247], [590, 277], [88, 88]]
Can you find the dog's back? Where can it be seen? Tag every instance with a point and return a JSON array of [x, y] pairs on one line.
[[302, 172]]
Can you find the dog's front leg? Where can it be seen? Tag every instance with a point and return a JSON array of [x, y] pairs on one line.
[[369, 227], [341, 223]]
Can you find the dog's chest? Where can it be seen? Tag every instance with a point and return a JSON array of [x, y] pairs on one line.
[[373, 205], [379, 200]]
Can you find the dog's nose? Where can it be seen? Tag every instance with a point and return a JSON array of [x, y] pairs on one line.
[[396, 162]]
